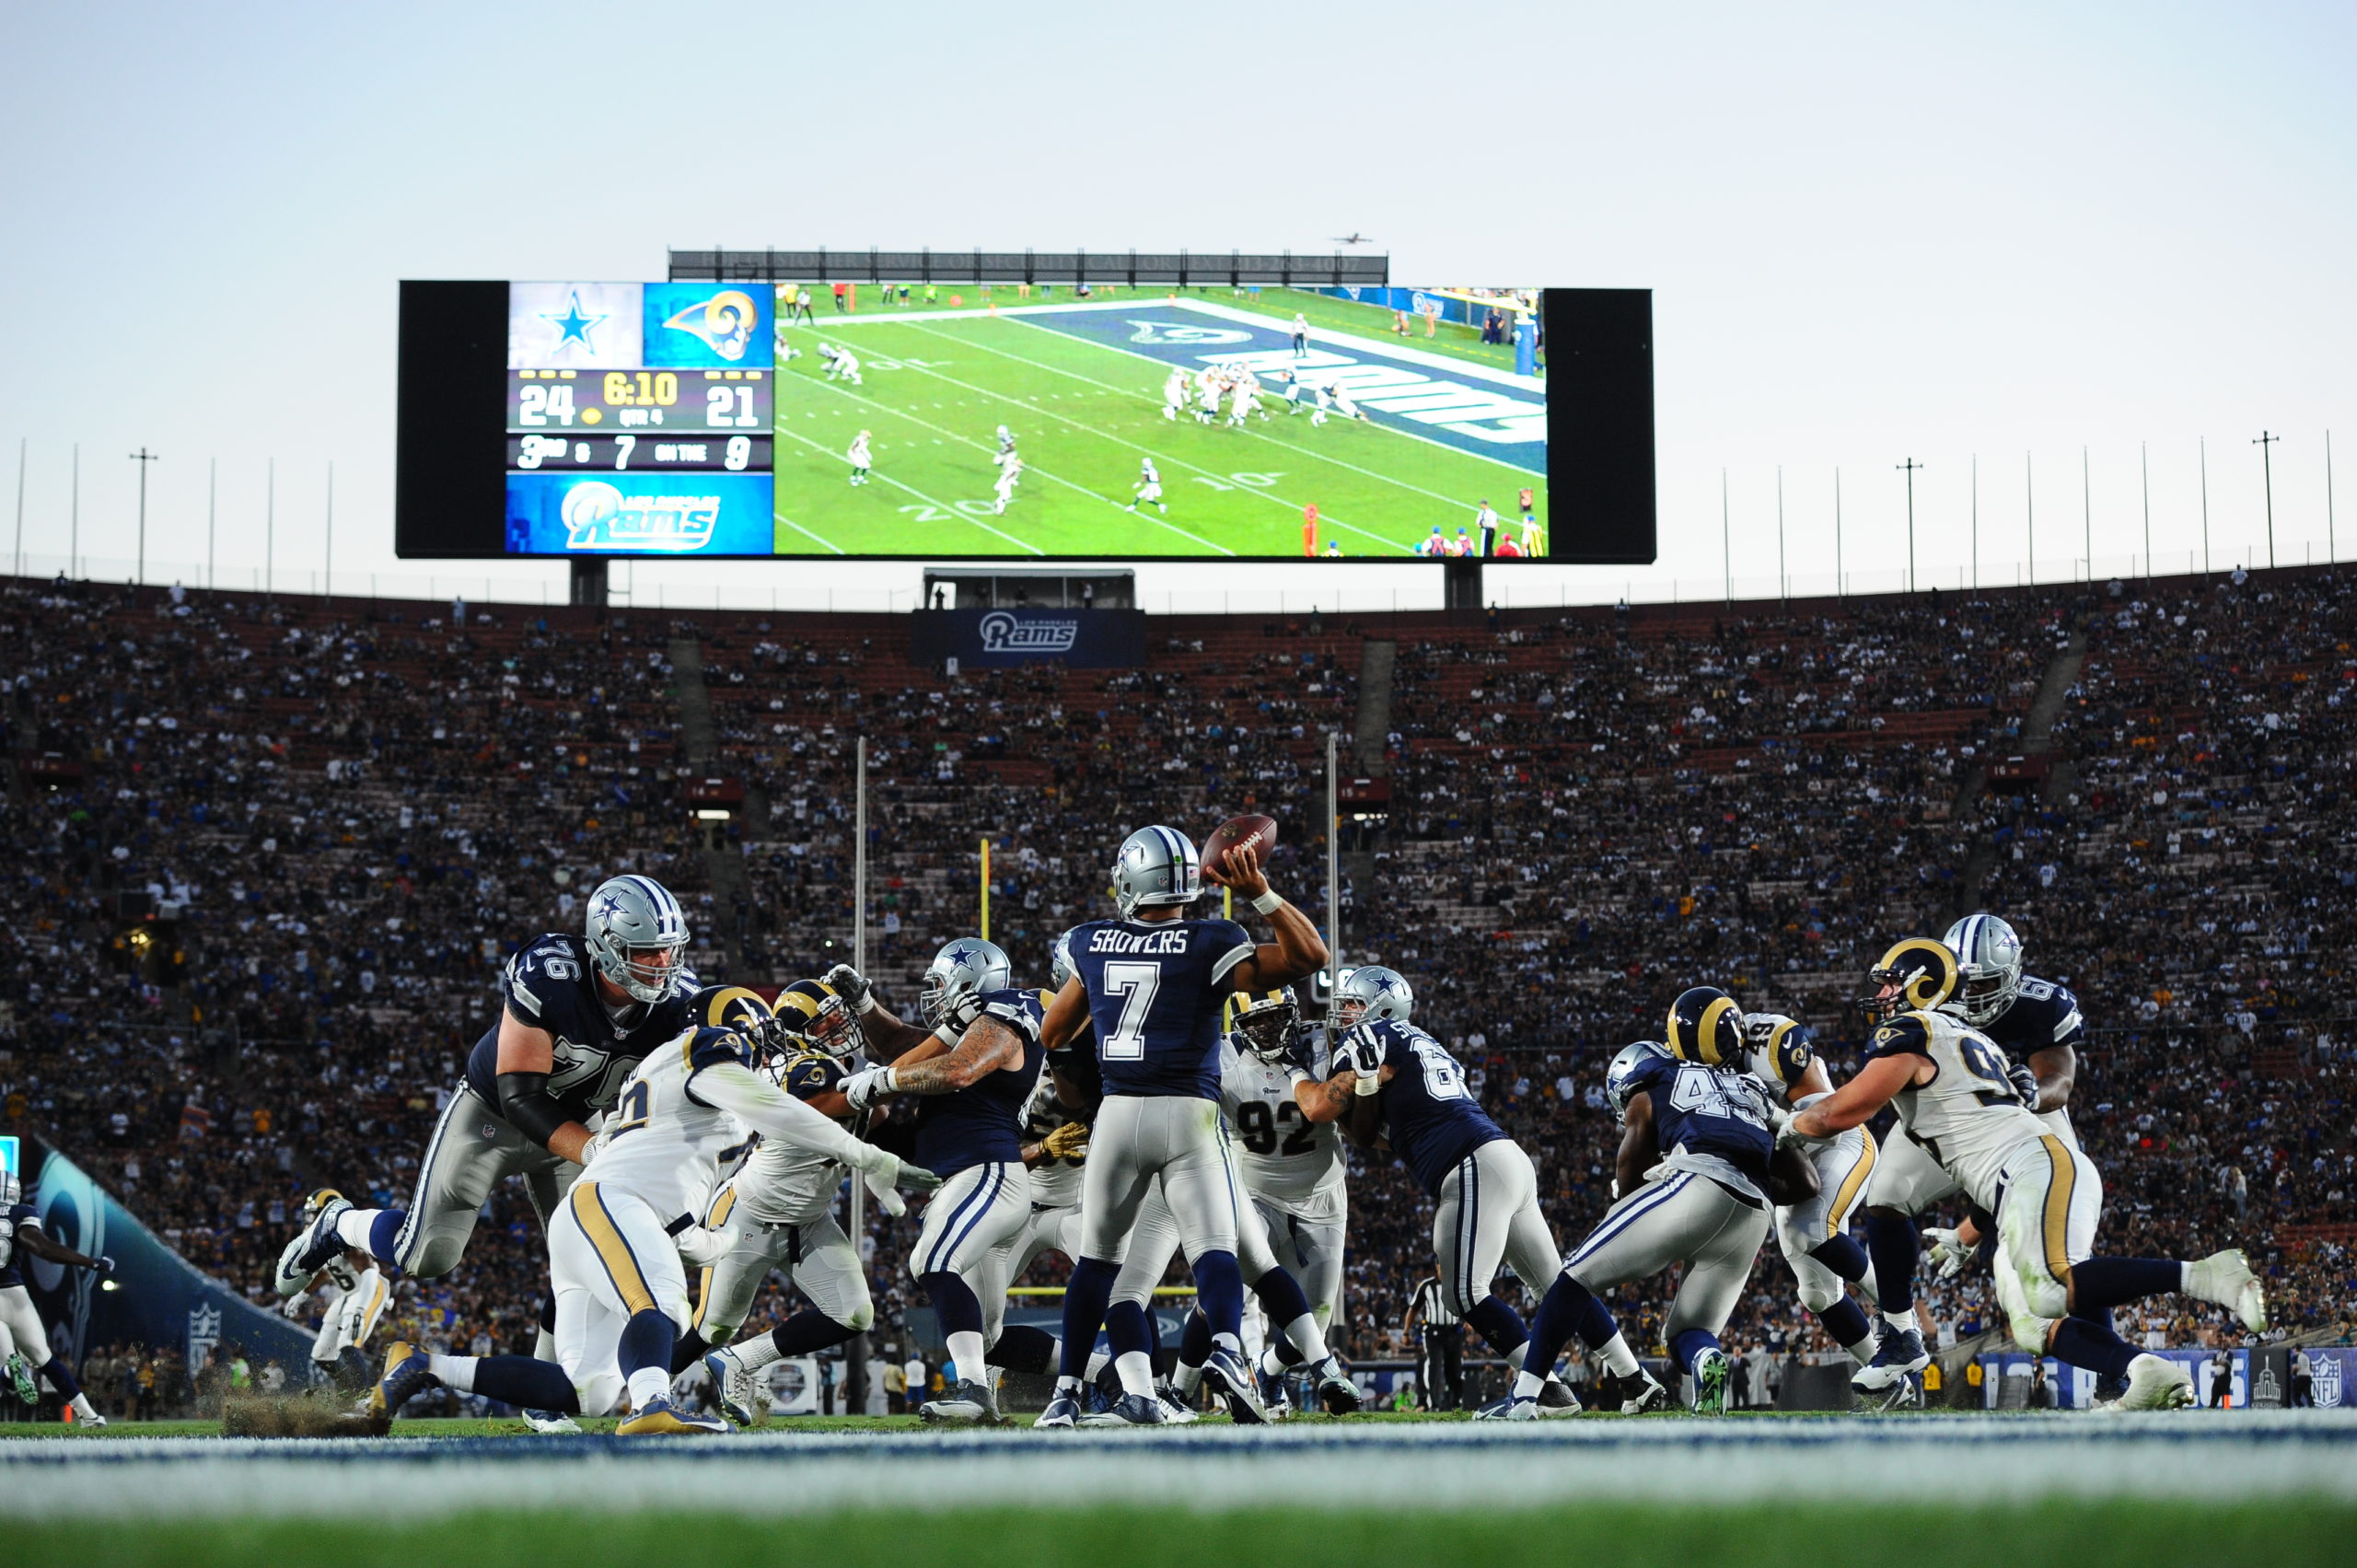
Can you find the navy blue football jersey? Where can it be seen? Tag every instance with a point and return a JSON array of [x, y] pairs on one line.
[[1430, 1116], [1157, 989], [982, 1123], [550, 984], [2044, 1016], [19, 1217], [1706, 1111]]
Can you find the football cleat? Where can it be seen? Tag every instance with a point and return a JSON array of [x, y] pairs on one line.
[[1633, 1395], [967, 1404], [552, 1423], [1336, 1392], [1181, 1408], [1062, 1410], [1224, 1371], [91, 1421], [1557, 1401], [661, 1418], [1710, 1370], [1900, 1354], [1129, 1409], [1907, 1394], [2225, 1278], [742, 1398], [314, 1247], [407, 1375], [20, 1375], [1273, 1398], [1513, 1407], [2156, 1384]]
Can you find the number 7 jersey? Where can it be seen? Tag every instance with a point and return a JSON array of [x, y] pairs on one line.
[[1969, 1116]]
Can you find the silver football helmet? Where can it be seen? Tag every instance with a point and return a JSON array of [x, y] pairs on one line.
[[638, 937], [1989, 962], [1617, 1087], [960, 975], [1060, 970], [1370, 990], [1156, 866]]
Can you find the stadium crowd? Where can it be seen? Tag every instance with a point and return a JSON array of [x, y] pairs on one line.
[[342, 820]]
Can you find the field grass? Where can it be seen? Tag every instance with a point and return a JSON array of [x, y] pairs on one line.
[[1084, 415], [1388, 1528]]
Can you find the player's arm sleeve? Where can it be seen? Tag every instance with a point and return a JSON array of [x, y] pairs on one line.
[[1234, 945], [1906, 1035], [734, 1087], [525, 1100], [2069, 1028]]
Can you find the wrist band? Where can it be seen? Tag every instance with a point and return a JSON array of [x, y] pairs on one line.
[[867, 1003], [1267, 902], [1370, 1082], [892, 1078]]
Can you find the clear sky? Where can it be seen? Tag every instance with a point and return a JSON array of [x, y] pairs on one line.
[[1873, 232]]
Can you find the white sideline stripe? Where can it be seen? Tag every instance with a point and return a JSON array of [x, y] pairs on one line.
[[2198, 1455], [1133, 303], [912, 489]]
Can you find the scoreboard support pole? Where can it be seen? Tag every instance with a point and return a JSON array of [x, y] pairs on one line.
[[588, 581], [1333, 870]]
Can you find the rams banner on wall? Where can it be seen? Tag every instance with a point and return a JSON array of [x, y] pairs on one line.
[[1085, 639], [157, 1298]]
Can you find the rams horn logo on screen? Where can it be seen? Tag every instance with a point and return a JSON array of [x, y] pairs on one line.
[[598, 516], [725, 322], [1185, 332], [1002, 633]]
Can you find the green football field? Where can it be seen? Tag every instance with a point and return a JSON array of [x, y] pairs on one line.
[[1084, 416]]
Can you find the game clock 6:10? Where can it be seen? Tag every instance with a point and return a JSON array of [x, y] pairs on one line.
[[718, 400]]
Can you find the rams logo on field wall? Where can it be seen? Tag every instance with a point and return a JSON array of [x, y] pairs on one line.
[[1186, 332], [1004, 633], [598, 516]]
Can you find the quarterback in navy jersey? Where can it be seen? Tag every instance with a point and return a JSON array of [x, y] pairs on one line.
[[578, 1013], [972, 1072], [1155, 983]]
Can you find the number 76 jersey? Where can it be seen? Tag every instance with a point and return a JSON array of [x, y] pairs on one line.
[[1291, 1163], [1969, 1116]]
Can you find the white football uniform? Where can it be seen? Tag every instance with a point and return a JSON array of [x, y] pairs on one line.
[[351, 1301], [688, 1110], [2045, 1192], [1844, 1166], [1293, 1171]]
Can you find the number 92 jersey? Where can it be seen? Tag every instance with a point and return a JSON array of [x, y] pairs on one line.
[[550, 984], [1969, 1116], [1291, 1163], [1157, 989]]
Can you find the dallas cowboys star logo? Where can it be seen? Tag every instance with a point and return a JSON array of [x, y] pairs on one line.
[[960, 954], [575, 326], [610, 905]]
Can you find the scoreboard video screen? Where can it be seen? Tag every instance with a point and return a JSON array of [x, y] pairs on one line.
[[1014, 422]]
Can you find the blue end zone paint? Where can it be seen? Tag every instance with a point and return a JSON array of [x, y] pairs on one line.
[[1473, 416]]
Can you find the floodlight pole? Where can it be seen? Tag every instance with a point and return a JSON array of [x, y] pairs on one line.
[[139, 570], [1333, 869], [2267, 463], [1908, 467], [2144, 475]]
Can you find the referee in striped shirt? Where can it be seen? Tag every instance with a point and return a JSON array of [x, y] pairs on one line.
[[1441, 1341]]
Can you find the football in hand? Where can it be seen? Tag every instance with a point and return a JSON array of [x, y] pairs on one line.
[[1258, 831]]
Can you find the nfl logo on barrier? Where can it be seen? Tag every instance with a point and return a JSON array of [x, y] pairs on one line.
[[2326, 1380]]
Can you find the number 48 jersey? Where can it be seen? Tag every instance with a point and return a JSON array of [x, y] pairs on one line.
[[1290, 1162], [1156, 992], [1969, 1116]]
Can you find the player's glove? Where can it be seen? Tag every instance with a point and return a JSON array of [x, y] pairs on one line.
[[295, 1306], [865, 1087], [2025, 1082], [1950, 1252], [701, 1247], [105, 1268], [1069, 1142], [857, 991]]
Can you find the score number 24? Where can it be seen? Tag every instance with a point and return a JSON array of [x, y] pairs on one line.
[[726, 408]]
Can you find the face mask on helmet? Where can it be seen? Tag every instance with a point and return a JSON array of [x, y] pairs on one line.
[[813, 1012], [1371, 991], [1268, 1025], [1916, 975], [638, 937], [1989, 967], [960, 975]]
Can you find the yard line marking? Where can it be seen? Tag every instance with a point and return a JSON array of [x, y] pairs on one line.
[[930, 501]]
